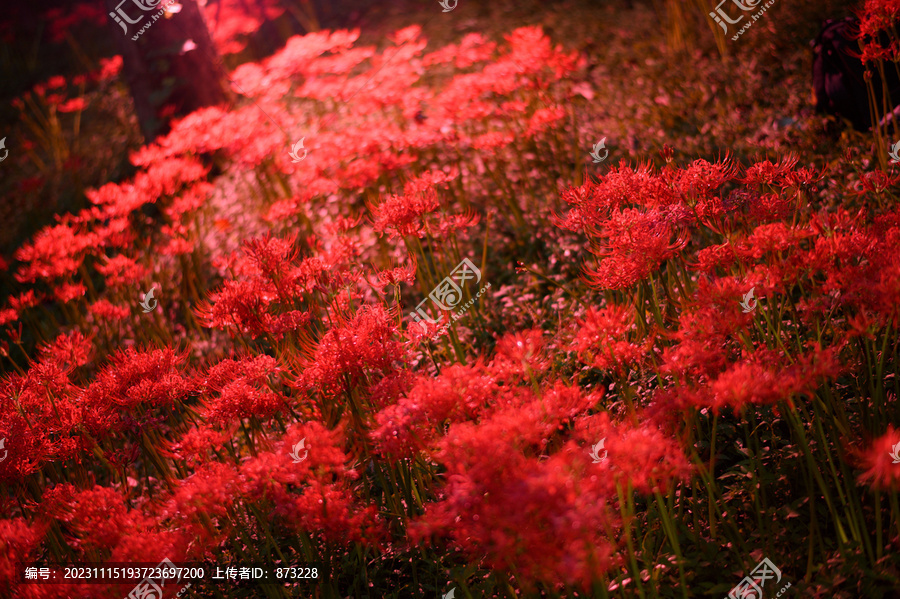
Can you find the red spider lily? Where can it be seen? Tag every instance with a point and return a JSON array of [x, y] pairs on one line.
[[238, 400], [715, 257], [201, 131], [178, 244], [878, 15], [269, 257], [544, 118], [69, 351], [299, 51], [421, 330], [857, 261], [95, 519], [492, 141], [526, 64], [429, 180], [23, 301], [391, 388], [295, 463], [509, 506], [876, 182], [18, 544], [700, 178], [189, 201], [756, 379], [239, 305], [637, 243], [325, 453], [769, 239], [594, 202], [256, 369], [166, 177], [105, 311], [289, 322], [283, 210], [350, 354], [8, 315], [39, 413], [250, 305], [203, 497], [415, 421], [449, 225], [642, 457], [605, 339], [761, 378], [520, 418], [134, 378], [496, 449], [109, 68], [324, 507], [881, 471], [773, 175], [341, 225], [340, 63], [117, 233], [268, 476], [318, 273], [56, 252], [530, 54], [330, 511], [147, 543], [702, 343], [200, 443], [473, 48], [110, 194], [536, 517], [122, 271], [383, 85], [520, 354], [230, 20], [769, 207], [73, 105], [874, 52], [397, 275], [67, 292], [583, 199], [401, 215]]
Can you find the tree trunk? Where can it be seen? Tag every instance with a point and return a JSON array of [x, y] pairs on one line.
[[169, 60]]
